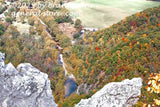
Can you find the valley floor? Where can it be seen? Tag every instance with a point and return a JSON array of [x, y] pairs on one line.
[[104, 13]]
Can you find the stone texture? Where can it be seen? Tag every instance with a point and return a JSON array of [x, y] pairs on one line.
[[115, 94], [25, 86]]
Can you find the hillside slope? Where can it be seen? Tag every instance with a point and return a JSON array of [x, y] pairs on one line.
[[130, 48]]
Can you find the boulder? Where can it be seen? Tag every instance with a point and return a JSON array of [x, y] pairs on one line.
[[115, 94], [25, 86]]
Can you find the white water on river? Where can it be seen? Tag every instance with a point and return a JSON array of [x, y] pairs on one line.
[[65, 70]]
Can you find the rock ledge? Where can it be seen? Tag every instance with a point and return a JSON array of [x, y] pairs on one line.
[[115, 94], [25, 86]]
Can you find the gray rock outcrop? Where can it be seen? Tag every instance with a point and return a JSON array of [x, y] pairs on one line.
[[115, 94], [25, 86]]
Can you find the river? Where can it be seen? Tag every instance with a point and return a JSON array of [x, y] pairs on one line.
[[70, 83]]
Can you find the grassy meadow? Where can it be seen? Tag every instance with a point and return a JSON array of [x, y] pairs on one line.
[[103, 13]]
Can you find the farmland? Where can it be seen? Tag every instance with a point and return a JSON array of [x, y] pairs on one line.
[[104, 13]]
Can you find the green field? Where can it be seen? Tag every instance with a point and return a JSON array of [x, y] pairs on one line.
[[103, 13]]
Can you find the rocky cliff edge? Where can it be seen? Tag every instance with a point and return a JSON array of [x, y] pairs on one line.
[[115, 94], [24, 86]]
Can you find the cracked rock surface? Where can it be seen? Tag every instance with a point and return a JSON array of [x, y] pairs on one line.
[[25, 86], [115, 94]]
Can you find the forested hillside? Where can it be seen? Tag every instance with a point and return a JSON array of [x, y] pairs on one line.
[[130, 48], [35, 46]]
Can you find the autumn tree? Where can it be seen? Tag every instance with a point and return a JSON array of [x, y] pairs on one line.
[[78, 23], [13, 31], [2, 29], [8, 19]]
